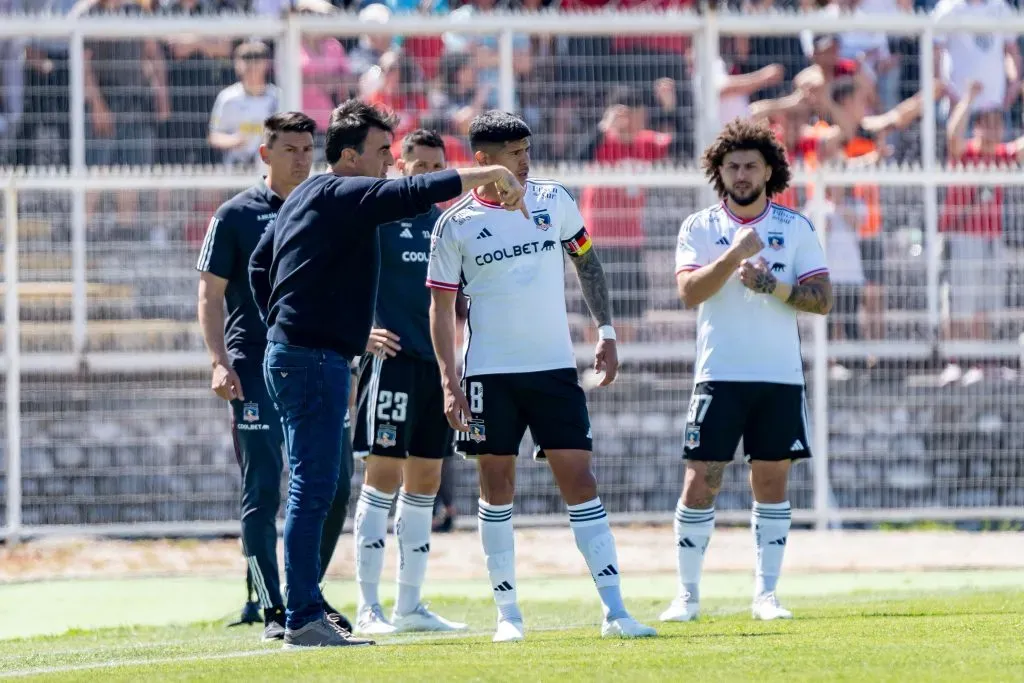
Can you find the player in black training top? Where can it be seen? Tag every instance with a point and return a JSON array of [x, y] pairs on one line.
[[236, 344], [400, 427]]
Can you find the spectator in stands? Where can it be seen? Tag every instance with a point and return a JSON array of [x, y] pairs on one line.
[[483, 49], [372, 46], [843, 213], [871, 49], [991, 59], [399, 90], [236, 122], [735, 84], [126, 90], [325, 78], [458, 96], [198, 67], [615, 216], [44, 128], [972, 217]]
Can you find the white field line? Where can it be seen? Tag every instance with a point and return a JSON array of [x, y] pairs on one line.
[[239, 654]]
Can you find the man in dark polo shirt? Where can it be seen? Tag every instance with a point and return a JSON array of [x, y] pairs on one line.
[[314, 277], [237, 343]]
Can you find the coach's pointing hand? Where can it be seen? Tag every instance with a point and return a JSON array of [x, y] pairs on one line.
[[746, 244], [225, 383], [511, 193], [456, 408]]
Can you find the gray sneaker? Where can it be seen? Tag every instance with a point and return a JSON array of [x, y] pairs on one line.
[[321, 633]]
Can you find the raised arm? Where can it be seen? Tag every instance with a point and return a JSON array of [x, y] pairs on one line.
[[386, 201], [698, 278]]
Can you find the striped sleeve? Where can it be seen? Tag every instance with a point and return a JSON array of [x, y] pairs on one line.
[[810, 257], [691, 247], [444, 267], [217, 255]]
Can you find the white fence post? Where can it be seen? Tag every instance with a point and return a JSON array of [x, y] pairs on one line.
[[289, 64], [506, 71], [933, 253], [79, 247], [819, 379], [12, 357]]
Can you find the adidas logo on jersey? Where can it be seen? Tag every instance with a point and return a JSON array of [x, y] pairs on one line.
[[484, 233], [406, 233], [722, 241], [797, 446]]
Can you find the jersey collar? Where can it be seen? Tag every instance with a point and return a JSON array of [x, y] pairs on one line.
[[747, 221], [272, 198], [489, 204]]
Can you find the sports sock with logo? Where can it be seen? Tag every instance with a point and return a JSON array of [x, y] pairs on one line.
[[370, 530], [693, 533], [414, 515], [499, 542], [770, 523], [589, 524]]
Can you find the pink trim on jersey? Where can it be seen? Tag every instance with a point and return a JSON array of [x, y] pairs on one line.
[[810, 274], [485, 202], [747, 221], [689, 267], [434, 284]]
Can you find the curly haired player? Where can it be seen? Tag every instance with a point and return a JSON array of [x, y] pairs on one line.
[[751, 266]]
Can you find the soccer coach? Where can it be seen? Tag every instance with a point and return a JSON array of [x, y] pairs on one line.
[[314, 277]]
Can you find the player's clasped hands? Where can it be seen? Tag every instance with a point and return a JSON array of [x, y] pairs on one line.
[[512, 193], [383, 343], [747, 243]]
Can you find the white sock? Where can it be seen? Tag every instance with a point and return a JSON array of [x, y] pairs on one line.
[[589, 525], [414, 516], [770, 523], [499, 542], [693, 533], [371, 528]]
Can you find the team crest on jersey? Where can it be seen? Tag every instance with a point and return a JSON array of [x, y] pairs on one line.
[[776, 242], [387, 436], [251, 412], [692, 437], [477, 432], [542, 220]]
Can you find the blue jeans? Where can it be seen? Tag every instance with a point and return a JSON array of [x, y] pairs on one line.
[[310, 389]]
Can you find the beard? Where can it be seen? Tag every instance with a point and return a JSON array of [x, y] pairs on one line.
[[746, 198]]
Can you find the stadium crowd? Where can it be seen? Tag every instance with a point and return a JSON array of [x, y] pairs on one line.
[[851, 98]]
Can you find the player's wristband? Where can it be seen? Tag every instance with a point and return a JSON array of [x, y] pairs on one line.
[[606, 332]]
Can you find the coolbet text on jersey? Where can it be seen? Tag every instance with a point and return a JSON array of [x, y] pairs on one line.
[[743, 336]]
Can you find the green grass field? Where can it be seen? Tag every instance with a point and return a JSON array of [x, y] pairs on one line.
[[948, 626]]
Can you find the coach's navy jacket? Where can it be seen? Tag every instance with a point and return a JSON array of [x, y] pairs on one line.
[[314, 272]]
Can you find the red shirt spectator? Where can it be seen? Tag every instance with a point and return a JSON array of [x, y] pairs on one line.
[[977, 210], [614, 215]]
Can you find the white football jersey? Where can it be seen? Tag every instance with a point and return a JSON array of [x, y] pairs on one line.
[[743, 336], [512, 270]]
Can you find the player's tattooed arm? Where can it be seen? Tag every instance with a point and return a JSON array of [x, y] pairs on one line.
[[594, 286], [813, 295]]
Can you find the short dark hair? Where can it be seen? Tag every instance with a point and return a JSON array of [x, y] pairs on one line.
[[843, 88], [350, 122], [286, 122], [423, 138], [744, 135], [252, 49], [496, 128]]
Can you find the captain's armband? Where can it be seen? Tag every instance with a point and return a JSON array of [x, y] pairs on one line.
[[579, 244]]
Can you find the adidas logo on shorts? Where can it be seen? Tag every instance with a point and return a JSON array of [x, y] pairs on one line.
[[797, 446]]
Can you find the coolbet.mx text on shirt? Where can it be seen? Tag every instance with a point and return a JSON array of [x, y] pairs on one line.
[[743, 336]]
